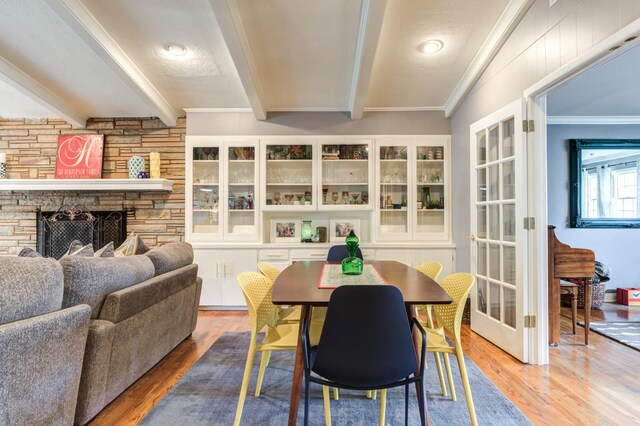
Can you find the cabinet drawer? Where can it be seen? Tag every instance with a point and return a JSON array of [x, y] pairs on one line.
[[270, 255], [302, 254]]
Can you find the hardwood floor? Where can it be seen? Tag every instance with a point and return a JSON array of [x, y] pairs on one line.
[[593, 385]]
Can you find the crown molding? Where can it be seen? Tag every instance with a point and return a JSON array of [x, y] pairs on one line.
[[405, 109], [593, 120], [190, 110], [75, 14], [507, 22]]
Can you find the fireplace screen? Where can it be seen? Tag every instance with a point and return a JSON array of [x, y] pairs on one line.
[[56, 230]]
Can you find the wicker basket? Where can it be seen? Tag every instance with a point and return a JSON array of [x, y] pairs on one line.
[[597, 296]]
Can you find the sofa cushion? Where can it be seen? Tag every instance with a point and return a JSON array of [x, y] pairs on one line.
[[90, 279], [134, 244], [76, 248], [28, 252], [29, 286], [106, 251], [171, 257]]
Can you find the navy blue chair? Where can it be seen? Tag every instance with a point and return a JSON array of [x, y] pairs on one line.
[[366, 343], [337, 253]]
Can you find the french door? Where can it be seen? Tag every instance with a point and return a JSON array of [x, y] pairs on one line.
[[498, 245]]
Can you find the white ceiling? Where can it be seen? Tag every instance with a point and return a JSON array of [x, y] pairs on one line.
[[94, 58], [612, 89]]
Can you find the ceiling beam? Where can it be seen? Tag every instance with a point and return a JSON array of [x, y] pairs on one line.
[[38, 93], [371, 17], [230, 23], [507, 22], [87, 27]]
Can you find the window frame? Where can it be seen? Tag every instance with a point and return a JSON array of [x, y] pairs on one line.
[[575, 190]]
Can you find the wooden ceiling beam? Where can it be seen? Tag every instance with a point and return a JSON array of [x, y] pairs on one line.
[[230, 23], [75, 14], [371, 17]]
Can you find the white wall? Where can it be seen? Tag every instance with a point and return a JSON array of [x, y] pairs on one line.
[[545, 39], [616, 248]]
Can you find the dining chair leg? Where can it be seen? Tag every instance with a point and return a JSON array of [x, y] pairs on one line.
[[264, 362], [436, 356], [327, 405], [421, 401], [447, 366], [374, 394], [336, 394], [465, 385], [369, 394], [574, 308], [406, 405], [245, 380], [306, 401], [383, 406]]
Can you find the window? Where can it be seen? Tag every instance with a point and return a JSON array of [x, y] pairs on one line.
[[592, 200], [625, 193]]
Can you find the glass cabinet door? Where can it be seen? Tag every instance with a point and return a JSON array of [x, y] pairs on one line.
[[393, 173], [241, 207], [205, 179], [345, 176], [430, 205], [288, 176]]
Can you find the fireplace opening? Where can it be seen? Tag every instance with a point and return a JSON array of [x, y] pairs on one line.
[[57, 229]]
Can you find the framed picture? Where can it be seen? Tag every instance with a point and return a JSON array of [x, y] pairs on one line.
[[79, 157], [286, 230], [339, 229]]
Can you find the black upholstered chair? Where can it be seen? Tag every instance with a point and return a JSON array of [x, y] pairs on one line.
[[337, 253], [366, 343]]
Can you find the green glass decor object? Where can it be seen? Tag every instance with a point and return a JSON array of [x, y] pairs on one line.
[[307, 231], [352, 265]]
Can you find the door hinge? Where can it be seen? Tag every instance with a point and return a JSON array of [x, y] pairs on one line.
[[529, 223], [528, 126], [530, 321]]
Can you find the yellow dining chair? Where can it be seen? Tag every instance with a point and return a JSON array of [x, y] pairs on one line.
[[257, 290], [449, 318]]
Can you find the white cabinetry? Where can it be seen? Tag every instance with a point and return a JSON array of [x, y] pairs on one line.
[[219, 270]]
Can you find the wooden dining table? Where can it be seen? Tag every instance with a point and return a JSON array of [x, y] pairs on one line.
[[298, 284]]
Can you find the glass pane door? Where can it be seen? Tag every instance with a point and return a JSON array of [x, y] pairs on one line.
[[498, 194], [289, 177], [206, 190], [241, 193], [430, 189], [345, 176], [393, 173]]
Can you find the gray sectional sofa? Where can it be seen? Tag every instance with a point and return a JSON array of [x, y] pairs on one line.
[[41, 345], [140, 308]]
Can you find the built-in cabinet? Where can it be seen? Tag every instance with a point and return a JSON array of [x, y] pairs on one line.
[[396, 187]]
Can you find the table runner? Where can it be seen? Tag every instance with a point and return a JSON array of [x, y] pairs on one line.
[[332, 277]]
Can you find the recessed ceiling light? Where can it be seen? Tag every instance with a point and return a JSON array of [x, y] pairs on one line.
[[175, 49], [431, 46]]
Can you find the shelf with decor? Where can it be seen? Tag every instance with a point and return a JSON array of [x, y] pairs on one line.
[[346, 175]]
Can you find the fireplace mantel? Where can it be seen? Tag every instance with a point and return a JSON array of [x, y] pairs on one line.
[[86, 185]]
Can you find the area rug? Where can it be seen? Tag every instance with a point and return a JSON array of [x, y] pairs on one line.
[[208, 394], [625, 332]]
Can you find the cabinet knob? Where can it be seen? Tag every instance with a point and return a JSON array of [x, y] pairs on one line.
[[471, 237]]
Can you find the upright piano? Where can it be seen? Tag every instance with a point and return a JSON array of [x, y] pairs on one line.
[[568, 262]]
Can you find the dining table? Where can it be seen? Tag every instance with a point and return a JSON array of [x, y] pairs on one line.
[[299, 284]]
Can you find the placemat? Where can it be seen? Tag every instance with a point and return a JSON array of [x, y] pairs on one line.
[[332, 277]]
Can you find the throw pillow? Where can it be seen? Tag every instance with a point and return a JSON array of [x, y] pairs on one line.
[[133, 245], [106, 251], [76, 248], [28, 252]]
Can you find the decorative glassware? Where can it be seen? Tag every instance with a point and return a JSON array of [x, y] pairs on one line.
[[345, 197], [289, 198], [307, 231], [365, 197], [334, 197], [354, 197], [325, 192], [352, 265], [276, 198]]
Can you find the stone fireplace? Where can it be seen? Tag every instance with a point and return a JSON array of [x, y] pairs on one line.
[[31, 152]]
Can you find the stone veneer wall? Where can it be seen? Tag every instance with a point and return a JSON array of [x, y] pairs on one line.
[[31, 154]]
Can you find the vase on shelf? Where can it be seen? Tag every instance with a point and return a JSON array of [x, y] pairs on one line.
[[352, 265]]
